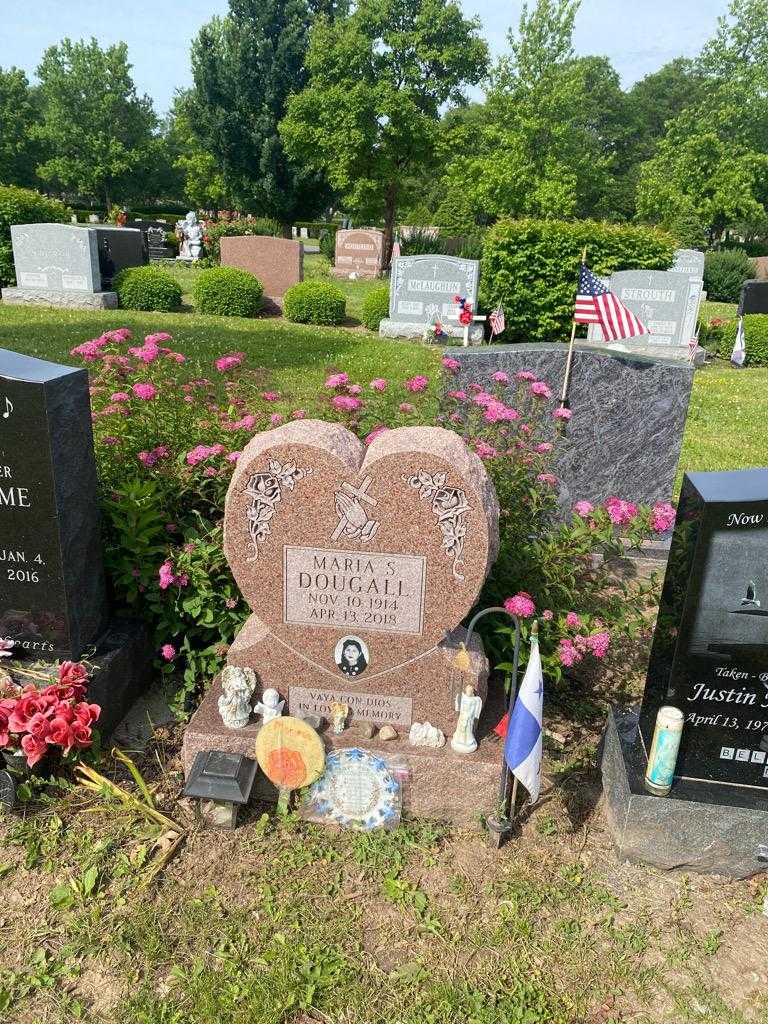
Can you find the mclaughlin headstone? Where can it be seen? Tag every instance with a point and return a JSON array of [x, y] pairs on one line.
[[710, 660], [424, 289], [359, 565], [52, 590]]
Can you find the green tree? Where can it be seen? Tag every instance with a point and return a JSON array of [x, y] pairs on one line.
[[370, 114], [657, 99], [19, 150], [245, 67], [93, 123], [202, 182]]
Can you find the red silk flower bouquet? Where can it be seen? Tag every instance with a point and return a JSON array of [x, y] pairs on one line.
[[37, 721], [465, 310]]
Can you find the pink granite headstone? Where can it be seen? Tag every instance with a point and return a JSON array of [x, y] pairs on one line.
[[277, 262], [359, 251]]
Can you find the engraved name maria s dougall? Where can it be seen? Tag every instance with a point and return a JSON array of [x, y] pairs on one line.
[[450, 506], [265, 492]]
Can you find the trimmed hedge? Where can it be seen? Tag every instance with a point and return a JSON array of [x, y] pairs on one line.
[[147, 288], [532, 267], [215, 232], [314, 227], [755, 339], [328, 245], [315, 302], [724, 274], [376, 307], [24, 206], [228, 291]]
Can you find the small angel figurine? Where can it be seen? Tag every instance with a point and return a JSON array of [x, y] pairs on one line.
[[339, 714], [270, 706], [469, 705], [237, 686]]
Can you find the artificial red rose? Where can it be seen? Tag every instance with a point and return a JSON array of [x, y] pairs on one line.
[[72, 672], [34, 748], [24, 709], [61, 734], [38, 726], [81, 734], [86, 713], [47, 703], [65, 710], [465, 316]]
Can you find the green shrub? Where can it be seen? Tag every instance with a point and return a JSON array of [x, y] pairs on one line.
[[23, 206], [147, 288], [315, 302], [422, 241], [171, 240], [328, 245], [755, 339], [376, 307], [215, 232], [532, 267], [227, 291], [724, 274]]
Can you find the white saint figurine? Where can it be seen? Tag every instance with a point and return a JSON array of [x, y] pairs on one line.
[[237, 686], [469, 706], [270, 706]]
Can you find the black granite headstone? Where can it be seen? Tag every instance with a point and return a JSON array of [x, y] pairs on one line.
[[118, 248], [710, 650], [754, 298], [52, 589]]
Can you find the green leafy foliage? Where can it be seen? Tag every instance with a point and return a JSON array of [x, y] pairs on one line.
[[229, 228], [724, 274], [755, 339], [376, 307], [228, 291], [328, 245], [23, 206], [19, 149], [315, 302], [148, 288], [532, 267]]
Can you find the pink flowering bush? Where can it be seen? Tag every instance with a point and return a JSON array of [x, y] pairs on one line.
[[56, 718]]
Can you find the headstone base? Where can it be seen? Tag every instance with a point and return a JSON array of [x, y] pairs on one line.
[[369, 274], [64, 300], [122, 670], [695, 828], [398, 329], [443, 785]]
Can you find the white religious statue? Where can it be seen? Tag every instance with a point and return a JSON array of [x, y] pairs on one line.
[[237, 686], [424, 734], [190, 234], [270, 706], [469, 705]]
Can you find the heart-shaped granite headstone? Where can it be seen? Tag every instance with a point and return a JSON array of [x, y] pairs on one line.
[[356, 562]]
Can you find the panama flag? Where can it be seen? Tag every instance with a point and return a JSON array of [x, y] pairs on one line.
[[522, 747], [739, 354]]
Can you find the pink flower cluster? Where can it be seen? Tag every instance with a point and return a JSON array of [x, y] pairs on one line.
[[229, 362], [452, 365], [34, 720], [337, 380], [201, 452], [620, 512], [417, 384], [150, 458], [167, 576], [521, 605], [572, 651], [345, 403], [663, 517]]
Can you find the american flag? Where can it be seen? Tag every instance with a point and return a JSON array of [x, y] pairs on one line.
[[497, 321], [595, 304]]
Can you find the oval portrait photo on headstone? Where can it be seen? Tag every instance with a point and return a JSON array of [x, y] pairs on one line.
[[351, 656]]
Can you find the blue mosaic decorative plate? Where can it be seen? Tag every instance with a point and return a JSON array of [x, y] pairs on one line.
[[358, 790]]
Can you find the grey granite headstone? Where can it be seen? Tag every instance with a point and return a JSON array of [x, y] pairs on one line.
[[688, 261], [57, 265], [628, 419], [423, 289], [52, 590]]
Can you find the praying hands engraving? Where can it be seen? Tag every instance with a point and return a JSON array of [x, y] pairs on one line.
[[354, 523]]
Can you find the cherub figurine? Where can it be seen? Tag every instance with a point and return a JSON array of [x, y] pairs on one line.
[[270, 706], [237, 686], [469, 705]]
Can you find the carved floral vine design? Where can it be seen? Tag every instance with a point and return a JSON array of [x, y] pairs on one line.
[[265, 491], [450, 505]]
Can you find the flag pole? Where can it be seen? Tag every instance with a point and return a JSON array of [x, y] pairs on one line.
[[569, 359]]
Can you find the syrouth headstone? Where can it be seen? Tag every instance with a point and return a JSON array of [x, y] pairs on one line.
[[52, 591], [58, 265], [359, 251], [423, 289], [277, 262], [710, 651]]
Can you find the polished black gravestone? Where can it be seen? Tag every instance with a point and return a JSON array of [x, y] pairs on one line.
[[52, 588], [753, 298], [709, 659], [119, 248], [53, 602]]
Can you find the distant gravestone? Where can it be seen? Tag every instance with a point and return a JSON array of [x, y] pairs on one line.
[[667, 303], [423, 289], [359, 251], [119, 248], [277, 262], [52, 592], [688, 261], [753, 298], [58, 265], [154, 232]]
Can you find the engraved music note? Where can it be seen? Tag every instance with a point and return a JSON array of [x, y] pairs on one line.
[[8, 408]]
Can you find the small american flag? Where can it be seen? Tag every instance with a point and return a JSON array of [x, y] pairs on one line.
[[595, 304], [396, 248], [497, 321]]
